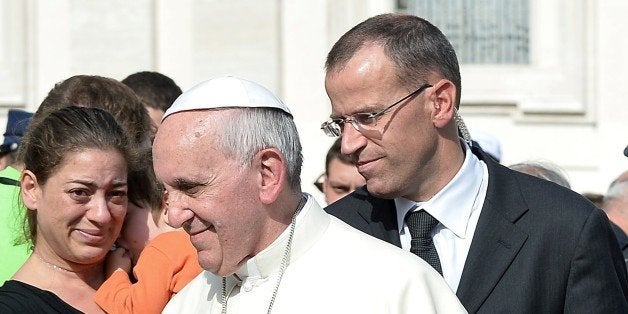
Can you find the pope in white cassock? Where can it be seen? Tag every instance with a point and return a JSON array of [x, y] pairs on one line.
[[229, 156]]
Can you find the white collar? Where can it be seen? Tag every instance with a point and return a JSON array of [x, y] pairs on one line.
[[311, 222], [453, 204]]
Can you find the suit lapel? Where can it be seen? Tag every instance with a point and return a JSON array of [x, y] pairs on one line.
[[496, 241], [381, 215], [371, 215]]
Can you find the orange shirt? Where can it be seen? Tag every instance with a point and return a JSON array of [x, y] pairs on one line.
[[164, 267]]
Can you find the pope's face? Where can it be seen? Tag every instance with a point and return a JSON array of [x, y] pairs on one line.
[[80, 209], [208, 193], [396, 156]]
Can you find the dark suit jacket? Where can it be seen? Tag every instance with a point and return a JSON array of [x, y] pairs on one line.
[[537, 248]]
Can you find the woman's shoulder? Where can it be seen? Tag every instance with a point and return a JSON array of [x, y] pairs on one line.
[[20, 297]]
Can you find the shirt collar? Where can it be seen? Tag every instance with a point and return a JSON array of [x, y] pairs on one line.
[[453, 204], [311, 223]]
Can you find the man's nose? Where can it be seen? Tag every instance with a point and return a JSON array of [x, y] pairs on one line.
[[178, 210], [352, 140]]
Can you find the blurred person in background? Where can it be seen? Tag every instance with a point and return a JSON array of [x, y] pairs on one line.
[[544, 170], [156, 91], [341, 176], [17, 123], [13, 254], [615, 205]]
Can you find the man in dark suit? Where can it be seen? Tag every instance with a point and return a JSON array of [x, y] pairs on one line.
[[503, 240]]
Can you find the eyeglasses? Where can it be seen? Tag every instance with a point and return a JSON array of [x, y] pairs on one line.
[[362, 121]]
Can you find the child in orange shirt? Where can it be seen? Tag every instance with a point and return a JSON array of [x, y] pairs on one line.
[[164, 258]]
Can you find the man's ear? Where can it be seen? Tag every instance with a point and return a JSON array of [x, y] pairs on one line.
[[30, 189], [164, 214], [272, 174], [444, 102]]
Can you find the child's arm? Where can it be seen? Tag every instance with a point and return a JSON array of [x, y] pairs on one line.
[[148, 295], [163, 268], [118, 259]]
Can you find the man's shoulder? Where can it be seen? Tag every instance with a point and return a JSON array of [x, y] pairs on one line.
[[195, 295], [367, 213], [362, 247], [510, 188], [408, 277], [203, 281], [543, 194]]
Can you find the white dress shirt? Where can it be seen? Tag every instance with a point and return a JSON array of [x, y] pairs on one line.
[[457, 207]]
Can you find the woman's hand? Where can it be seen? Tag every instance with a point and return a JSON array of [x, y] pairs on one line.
[[118, 259]]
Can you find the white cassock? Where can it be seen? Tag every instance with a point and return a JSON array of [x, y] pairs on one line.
[[333, 268]]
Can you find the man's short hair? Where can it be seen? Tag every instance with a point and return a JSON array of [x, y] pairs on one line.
[[414, 45], [154, 89], [103, 93]]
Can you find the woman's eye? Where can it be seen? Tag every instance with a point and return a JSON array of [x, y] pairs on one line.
[[118, 196], [79, 193]]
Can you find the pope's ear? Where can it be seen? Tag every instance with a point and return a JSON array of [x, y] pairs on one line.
[[164, 213], [272, 174], [30, 189]]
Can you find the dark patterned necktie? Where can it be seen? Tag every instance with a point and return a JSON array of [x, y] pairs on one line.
[[421, 224]]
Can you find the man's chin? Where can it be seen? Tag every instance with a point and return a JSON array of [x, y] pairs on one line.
[[380, 190], [209, 266]]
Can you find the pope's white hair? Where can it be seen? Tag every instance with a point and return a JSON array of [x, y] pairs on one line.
[[249, 130]]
